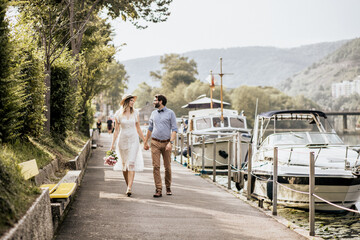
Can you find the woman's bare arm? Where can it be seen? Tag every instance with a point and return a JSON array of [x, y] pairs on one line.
[[141, 135], [115, 135]]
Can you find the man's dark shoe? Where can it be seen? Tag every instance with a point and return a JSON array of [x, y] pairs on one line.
[[168, 191], [157, 194]]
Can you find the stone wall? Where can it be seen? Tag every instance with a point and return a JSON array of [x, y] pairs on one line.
[[46, 173], [37, 222]]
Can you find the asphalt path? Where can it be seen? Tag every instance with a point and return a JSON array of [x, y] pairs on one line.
[[198, 208]]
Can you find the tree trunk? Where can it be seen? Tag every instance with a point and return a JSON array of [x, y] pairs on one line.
[[47, 97], [72, 19]]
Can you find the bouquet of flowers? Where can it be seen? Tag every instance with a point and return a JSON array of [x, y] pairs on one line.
[[111, 158]]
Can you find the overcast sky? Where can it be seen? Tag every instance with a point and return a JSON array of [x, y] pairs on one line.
[[206, 24]]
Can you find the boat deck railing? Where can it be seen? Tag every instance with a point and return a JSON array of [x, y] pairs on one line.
[[234, 151]]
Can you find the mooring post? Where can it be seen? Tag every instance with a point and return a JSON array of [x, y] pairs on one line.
[[345, 122], [249, 173], [191, 153], [176, 146], [311, 196], [275, 174], [188, 149], [229, 163], [203, 155], [214, 161], [181, 148], [238, 155]]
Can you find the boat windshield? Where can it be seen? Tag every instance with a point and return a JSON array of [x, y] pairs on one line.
[[203, 123], [302, 138], [217, 122], [237, 122]]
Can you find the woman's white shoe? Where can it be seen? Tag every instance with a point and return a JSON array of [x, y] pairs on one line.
[[128, 192]]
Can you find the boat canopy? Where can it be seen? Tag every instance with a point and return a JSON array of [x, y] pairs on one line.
[[292, 113]]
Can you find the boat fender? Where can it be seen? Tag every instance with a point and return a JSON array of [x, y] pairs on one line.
[[356, 171], [240, 183], [223, 154], [185, 152], [246, 156]]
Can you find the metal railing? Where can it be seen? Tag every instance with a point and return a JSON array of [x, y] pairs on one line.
[[234, 151]]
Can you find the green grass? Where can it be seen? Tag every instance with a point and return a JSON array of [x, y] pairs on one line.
[[17, 194]]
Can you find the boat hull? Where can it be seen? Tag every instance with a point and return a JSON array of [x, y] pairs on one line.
[[342, 191], [222, 150]]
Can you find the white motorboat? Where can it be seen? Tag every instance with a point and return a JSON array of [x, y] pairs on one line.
[[296, 133], [206, 123]]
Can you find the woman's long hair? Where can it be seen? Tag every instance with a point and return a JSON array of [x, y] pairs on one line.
[[126, 105]]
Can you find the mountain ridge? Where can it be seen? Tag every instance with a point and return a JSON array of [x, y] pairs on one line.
[[315, 81], [253, 65]]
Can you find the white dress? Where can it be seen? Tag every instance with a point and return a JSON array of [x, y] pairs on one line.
[[128, 148]]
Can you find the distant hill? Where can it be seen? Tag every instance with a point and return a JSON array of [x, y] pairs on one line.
[[315, 81], [264, 66]]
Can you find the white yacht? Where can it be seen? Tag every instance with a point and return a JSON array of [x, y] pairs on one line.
[[296, 133], [207, 123]]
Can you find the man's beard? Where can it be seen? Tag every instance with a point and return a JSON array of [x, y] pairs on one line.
[[157, 105]]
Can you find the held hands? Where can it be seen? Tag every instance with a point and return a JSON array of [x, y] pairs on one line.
[[146, 146]]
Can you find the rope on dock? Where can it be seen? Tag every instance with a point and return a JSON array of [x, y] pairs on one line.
[[333, 204]]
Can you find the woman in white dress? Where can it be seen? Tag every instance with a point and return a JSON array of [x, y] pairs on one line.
[[126, 144]]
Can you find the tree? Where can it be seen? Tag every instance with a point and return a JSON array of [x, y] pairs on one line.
[[244, 99], [177, 100], [115, 73], [197, 88], [97, 54], [30, 70], [11, 89], [176, 69], [61, 22], [64, 97], [144, 91]]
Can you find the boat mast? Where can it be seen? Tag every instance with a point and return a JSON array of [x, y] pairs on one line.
[[221, 90], [212, 86]]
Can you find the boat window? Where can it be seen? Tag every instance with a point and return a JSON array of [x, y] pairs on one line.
[[237, 122], [302, 138], [203, 123], [325, 138], [217, 122], [289, 138]]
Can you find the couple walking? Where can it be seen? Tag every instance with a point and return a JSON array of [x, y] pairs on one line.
[[162, 130]]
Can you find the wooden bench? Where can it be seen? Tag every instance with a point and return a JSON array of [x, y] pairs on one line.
[[30, 169]]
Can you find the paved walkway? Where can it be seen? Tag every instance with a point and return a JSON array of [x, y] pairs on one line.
[[198, 209]]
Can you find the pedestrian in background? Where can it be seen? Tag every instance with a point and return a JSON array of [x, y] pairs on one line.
[[98, 125], [109, 125]]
